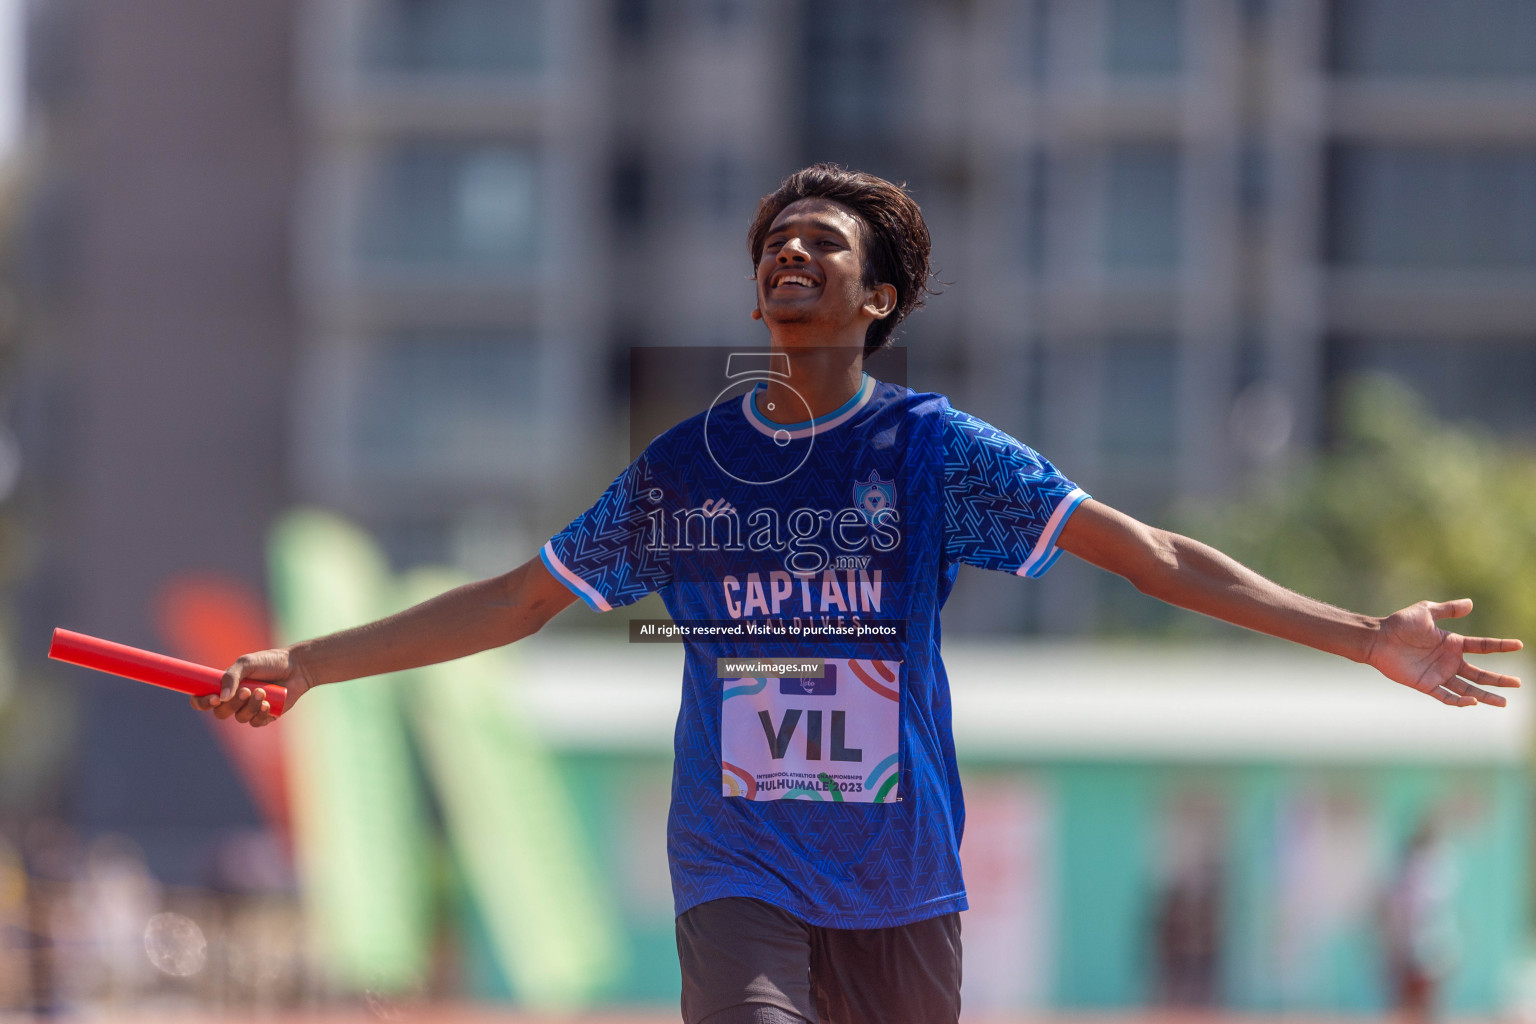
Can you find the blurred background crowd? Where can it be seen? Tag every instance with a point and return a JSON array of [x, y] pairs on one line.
[[309, 306]]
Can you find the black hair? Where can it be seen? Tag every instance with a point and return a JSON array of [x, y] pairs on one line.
[[893, 234]]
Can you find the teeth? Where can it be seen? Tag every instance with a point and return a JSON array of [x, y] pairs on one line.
[[797, 279]]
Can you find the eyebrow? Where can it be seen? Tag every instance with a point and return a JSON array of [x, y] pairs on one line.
[[816, 223]]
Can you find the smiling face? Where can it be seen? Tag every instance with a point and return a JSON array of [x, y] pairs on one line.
[[810, 274]]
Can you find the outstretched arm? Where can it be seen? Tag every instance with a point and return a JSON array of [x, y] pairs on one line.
[[1406, 646], [463, 621]]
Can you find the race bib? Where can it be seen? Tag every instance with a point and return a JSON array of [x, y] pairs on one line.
[[831, 735]]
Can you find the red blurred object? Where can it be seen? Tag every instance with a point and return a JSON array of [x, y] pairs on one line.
[[146, 666], [213, 619]]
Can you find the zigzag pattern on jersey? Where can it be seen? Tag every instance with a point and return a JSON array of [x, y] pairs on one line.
[[608, 545], [965, 491], [848, 866], [744, 457], [998, 494], [825, 481], [861, 870], [755, 457]]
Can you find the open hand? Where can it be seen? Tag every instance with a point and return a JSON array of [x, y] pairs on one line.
[[241, 695], [1412, 650]]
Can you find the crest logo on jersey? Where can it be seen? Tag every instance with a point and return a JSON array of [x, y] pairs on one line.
[[874, 495]]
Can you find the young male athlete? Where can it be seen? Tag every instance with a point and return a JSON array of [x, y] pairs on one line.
[[820, 518]]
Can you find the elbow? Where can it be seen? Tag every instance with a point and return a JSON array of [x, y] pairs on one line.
[[1160, 567], [522, 610], [536, 618], [531, 598]]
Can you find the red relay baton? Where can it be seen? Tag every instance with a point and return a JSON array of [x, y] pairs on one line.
[[149, 667]]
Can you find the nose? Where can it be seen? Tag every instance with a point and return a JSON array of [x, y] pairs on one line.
[[793, 251]]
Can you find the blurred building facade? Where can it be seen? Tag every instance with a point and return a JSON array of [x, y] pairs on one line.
[[388, 256], [159, 163], [1169, 227]]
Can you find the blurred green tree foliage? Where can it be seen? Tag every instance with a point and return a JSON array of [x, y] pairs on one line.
[[1403, 507]]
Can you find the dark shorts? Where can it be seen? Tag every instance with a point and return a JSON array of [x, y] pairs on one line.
[[740, 952]]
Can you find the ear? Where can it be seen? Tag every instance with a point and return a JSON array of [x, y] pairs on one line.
[[881, 301], [756, 313]]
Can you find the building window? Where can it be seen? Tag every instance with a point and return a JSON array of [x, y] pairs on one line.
[[629, 188], [449, 405], [1139, 403], [1029, 28], [851, 88], [1491, 382], [721, 186], [1033, 239], [722, 15], [1428, 207], [632, 19], [453, 203], [1144, 38], [456, 36], [1432, 37], [1039, 50], [414, 542], [1142, 218], [1253, 176]]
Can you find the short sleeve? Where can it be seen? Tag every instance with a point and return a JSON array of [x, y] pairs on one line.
[[606, 556], [1004, 503]]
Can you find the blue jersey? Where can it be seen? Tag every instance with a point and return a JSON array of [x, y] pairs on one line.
[[815, 766]]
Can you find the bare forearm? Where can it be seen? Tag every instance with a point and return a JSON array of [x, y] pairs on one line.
[[1196, 576], [455, 624], [1193, 575]]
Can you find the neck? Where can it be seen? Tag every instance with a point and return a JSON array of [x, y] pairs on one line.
[[825, 378]]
